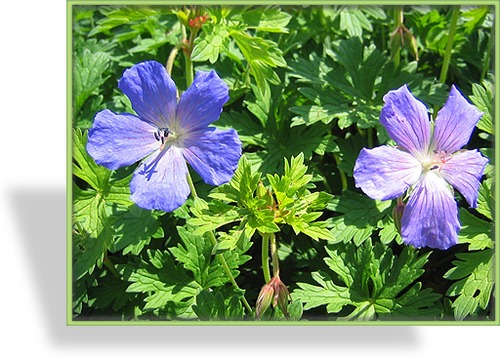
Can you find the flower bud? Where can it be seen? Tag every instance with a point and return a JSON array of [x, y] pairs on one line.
[[264, 300], [397, 213]]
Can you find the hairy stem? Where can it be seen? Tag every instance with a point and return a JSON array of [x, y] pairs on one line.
[[265, 257], [274, 255]]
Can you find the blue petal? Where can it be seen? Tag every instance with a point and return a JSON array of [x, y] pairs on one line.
[[384, 173], [455, 123], [151, 91], [201, 104], [406, 120], [117, 140], [430, 218], [160, 182], [464, 171], [214, 154]]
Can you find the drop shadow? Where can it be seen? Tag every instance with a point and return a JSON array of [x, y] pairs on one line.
[[41, 220]]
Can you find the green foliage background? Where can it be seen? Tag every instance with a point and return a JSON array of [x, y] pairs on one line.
[[306, 87]]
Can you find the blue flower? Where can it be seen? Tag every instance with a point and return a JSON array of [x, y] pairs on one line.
[[166, 133], [427, 160]]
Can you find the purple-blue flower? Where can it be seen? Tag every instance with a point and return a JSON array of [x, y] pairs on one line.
[[166, 133], [427, 160]]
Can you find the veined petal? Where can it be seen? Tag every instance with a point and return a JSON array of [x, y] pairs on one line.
[[384, 172], [214, 154], [160, 182], [151, 91], [464, 171], [201, 104], [455, 123], [406, 120], [430, 218], [117, 140]]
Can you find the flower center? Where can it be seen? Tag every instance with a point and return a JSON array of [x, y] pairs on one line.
[[436, 162], [162, 134]]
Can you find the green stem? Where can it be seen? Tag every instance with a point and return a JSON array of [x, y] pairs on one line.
[[221, 258], [398, 20], [449, 45], [224, 264], [171, 59], [265, 257], [369, 137], [191, 186], [111, 266], [486, 64], [274, 255], [343, 177]]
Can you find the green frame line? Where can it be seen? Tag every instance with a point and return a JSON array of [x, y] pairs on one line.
[[69, 153]]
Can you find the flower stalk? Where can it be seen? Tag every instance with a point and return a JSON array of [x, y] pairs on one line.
[[449, 45], [221, 258]]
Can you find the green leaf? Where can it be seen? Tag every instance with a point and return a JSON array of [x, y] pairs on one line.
[[166, 287], [360, 218], [475, 274], [210, 46], [486, 198], [212, 306], [483, 97], [88, 73], [475, 231], [133, 228], [267, 19], [372, 281]]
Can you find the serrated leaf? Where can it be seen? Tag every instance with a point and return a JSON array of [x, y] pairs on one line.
[[475, 274], [133, 229], [163, 283], [88, 75], [486, 199], [268, 20], [372, 281], [475, 231], [483, 97]]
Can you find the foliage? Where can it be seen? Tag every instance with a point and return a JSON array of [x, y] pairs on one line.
[[306, 89]]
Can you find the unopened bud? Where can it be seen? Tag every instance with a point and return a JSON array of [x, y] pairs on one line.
[[397, 213], [410, 43], [264, 300]]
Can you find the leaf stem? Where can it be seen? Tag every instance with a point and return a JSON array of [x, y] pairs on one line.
[[343, 177], [223, 261], [449, 45], [486, 64], [221, 258], [110, 266], [265, 257]]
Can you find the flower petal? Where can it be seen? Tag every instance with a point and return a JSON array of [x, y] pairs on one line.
[[455, 123], [384, 172], [214, 154], [151, 91], [201, 104], [430, 218], [160, 182], [406, 120], [117, 140], [464, 171]]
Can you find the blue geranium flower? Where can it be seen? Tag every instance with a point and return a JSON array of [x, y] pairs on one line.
[[427, 160], [167, 133]]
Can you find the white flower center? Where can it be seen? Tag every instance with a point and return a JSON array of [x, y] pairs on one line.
[[435, 162]]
